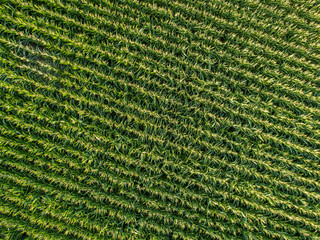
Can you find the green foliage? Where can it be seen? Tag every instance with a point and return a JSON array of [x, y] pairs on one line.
[[159, 119]]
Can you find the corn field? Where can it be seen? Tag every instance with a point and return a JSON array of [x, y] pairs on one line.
[[155, 119]]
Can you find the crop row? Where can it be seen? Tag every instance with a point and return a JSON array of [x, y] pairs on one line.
[[156, 119]]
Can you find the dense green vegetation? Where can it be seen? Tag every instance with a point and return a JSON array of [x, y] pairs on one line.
[[182, 119]]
